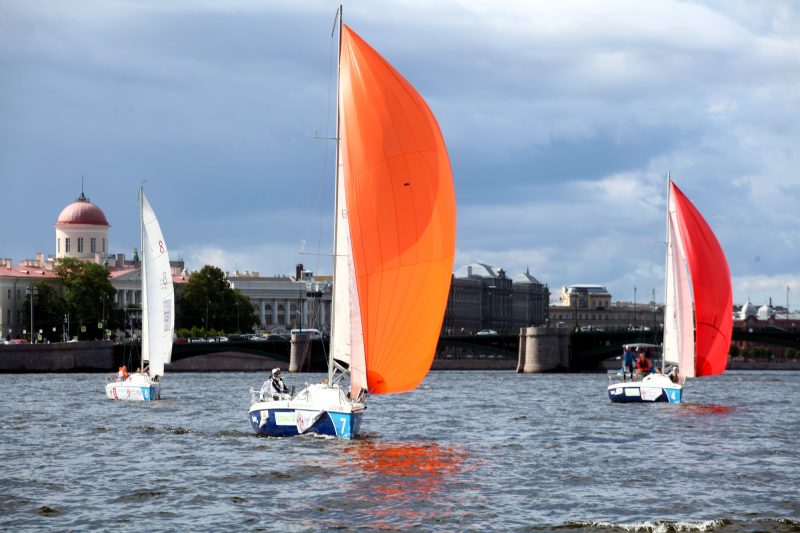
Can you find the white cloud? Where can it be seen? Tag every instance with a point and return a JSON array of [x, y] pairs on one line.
[[561, 119]]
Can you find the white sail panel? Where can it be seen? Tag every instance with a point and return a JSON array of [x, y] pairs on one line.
[[347, 339], [678, 313], [158, 295], [342, 265]]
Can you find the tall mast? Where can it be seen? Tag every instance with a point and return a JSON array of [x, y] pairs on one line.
[[335, 194], [666, 276], [142, 273]]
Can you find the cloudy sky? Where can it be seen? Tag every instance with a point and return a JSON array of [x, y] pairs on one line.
[[561, 119]]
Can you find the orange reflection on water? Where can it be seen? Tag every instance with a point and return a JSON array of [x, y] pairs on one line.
[[694, 409], [402, 476]]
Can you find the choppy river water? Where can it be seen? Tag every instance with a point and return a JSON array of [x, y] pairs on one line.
[[487, 450]]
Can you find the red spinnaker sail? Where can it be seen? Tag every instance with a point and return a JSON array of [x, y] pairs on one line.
[[711, 285], [402, 215]]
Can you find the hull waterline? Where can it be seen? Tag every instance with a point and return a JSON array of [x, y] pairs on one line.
[[653, 388], [135, 392], [275, 421]]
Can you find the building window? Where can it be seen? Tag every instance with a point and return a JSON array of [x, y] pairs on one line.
[[66, 245], [80, 245], [58, 245], [9, 294], [104, 245], [93, 245]]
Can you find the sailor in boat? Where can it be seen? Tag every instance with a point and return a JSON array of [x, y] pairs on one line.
[[673, 374], [643, 365], [628, 362], [122, 373], [274, 388]]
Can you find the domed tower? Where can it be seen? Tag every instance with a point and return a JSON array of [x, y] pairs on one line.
[[82, 231], [765, 312], [748, 309]]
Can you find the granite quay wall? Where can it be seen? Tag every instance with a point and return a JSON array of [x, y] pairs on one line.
[[86, 356]]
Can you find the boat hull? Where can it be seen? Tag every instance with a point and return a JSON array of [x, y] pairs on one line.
[[282, 422], [318, 409], [648, 390], [135, 392]]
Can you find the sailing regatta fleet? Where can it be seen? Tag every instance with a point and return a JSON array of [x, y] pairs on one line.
[[394, 247]]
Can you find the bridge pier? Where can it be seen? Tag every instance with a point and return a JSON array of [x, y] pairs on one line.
[[300, 351], [543, 349]]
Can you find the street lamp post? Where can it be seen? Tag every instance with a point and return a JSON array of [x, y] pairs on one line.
[[236, 303], [32, 291]]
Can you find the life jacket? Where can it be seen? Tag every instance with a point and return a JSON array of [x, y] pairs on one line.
[[643, 364]]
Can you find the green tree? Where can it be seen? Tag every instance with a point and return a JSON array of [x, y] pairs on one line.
[[48, 311], [88, 294], [208, 302]]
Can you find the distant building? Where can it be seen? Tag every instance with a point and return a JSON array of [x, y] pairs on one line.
[[754, 318], [482, 297], [585, 296], [590, 308], [82, 233], [283, 302]]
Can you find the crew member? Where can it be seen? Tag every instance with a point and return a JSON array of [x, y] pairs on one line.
[[274, 387]]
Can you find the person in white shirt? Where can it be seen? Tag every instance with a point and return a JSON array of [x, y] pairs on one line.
[[274, 388]]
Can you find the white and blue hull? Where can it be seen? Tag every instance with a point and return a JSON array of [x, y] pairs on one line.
[[135, 392], [317, 409], [273, 421], [653, 388]]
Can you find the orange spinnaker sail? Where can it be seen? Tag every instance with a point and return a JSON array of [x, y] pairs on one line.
[[401, 211], [711, 286]]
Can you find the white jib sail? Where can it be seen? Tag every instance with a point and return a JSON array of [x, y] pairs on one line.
[[158, 295], [347, 344], [678, 312]]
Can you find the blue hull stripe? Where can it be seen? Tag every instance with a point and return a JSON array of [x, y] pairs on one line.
[[334, 424]]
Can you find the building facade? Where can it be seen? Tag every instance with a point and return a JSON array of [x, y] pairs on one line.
[[283, 303], [484, 298], [590, 308]]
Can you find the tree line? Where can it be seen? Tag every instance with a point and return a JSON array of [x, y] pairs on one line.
[[82, 304]]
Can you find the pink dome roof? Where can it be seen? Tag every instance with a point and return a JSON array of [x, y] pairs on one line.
[[82, 211]]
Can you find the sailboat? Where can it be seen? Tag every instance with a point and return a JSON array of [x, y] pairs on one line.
[[697, 331], [394, 246], [158, 314]]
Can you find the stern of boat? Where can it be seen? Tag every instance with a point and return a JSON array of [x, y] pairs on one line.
[[652, 388], [317, 409], [137, 388]]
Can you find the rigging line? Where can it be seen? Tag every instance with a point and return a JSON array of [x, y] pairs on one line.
[[331, 80], [323, 214]]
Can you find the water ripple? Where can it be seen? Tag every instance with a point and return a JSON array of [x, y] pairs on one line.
[[467, 451]]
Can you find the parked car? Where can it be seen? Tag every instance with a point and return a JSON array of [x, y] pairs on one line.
[[315, 334], [487, 332]]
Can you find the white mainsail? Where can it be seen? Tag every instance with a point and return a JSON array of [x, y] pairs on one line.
[[158, 295], [347, 338], [678, 310]]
